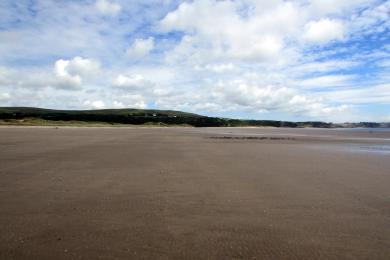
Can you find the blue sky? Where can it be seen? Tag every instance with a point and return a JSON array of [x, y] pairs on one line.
[[284, 60]]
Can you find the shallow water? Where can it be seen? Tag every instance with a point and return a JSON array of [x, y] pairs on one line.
[[379, 149], [372, 149], [375, 141], [365, 130], [343, 134]]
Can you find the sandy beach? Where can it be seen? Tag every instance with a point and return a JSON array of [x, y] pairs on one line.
[[194, 193]]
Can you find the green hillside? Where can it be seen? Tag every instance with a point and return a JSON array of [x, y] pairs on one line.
[[110, 116], [41, 116], [126, 111]]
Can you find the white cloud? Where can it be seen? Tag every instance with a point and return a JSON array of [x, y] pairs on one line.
[[338, 109], [130, 101], [5, 76], [140, 48], [4, 96], [70, 72], [228, 34], [327, 81], [248, 56], [323, 66], [107, 7], [324, 31], [96, 104], [83, 67], [118, 104], [74, 74], [261, 48], [384, 63], [239, 95], [324, 7], [314, 107], [386, 119], [77, 66], [374, 20], [217, 68], [139, 104], [378, 94], [66, 80], [133, 82]]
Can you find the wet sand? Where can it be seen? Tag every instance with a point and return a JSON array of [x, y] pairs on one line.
[[181, 193]]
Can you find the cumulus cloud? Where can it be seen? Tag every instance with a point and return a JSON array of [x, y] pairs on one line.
[[65, 75], [69, 73], [256, 37], [77, 66], [262, 99], [130, 101], [118, 104], [66, 80], [96, 104], [106, 7], [132, 82], [314, 107], [377, 94], [240, 95], [324, 31], [140, 48]]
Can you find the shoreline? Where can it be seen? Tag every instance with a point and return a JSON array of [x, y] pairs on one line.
[[188, 126]]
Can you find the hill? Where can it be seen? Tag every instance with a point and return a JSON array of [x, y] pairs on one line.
[[110, 116], [39, 116]]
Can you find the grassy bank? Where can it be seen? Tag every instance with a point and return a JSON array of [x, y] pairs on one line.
[[42, 122]]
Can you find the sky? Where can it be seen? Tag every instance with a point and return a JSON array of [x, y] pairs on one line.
[[297, 60]]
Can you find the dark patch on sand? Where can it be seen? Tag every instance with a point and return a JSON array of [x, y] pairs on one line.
[[252, 138]]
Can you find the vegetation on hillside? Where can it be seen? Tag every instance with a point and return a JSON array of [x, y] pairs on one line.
[[118, 117]]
